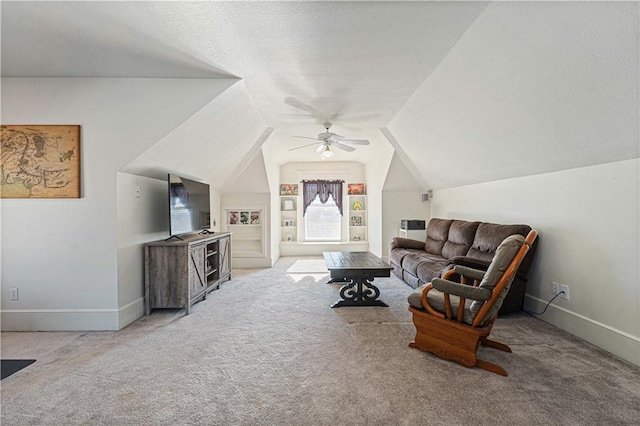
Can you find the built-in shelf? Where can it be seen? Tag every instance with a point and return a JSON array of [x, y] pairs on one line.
[[247, 225], [358, 218], [288, 218]]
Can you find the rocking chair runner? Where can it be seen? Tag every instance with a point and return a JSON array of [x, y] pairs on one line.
[[450, 326]]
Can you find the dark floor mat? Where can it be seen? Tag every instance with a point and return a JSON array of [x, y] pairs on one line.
[[10, 366]]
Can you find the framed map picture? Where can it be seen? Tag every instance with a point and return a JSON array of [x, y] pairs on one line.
[[40, 161]]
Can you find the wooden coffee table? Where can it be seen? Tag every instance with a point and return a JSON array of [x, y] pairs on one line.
[[357, 269]]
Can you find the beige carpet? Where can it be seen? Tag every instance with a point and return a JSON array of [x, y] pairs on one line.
[[267, 349]]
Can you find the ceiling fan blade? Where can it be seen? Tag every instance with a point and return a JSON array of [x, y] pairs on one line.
[[343, 147], [303, 146], [306, 137], [355, 141]]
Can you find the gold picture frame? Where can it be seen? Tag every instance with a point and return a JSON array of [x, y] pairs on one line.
[[40, 161]]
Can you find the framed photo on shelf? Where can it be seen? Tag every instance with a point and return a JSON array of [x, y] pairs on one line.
[[289, 189], [244, 218], [234, 218], [287, 204], [355, 188], [255, 218]]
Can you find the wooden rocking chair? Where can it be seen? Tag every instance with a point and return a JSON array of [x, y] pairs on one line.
[[450, 326]]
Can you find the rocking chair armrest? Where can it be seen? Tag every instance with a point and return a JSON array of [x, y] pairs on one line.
[[475, 274], [464, 291]]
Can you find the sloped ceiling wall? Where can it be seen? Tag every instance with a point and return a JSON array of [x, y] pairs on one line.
[[208, 146], [399, 178], [253, 179], [530, 88]]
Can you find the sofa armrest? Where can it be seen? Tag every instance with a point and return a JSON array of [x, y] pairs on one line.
[[470, 262], [399, 242], [480, 294]]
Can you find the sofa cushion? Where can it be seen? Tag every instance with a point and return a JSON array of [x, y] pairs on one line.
[[461, 236], [437, 233], [505, 253], [490, 235], [397, 255], [436, 301], [411, 261], [412, 280], [427, 271]]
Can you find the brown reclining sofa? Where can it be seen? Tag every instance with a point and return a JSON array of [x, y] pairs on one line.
[[458, 242]]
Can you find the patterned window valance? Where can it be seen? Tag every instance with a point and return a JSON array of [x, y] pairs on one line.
[[322, 188]]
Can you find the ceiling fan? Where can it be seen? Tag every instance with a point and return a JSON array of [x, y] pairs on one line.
[[328, 139]]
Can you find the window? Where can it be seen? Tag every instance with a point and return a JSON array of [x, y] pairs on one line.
[[322, 222]]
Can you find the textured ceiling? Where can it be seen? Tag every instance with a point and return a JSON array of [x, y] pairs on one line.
[[448, 83]]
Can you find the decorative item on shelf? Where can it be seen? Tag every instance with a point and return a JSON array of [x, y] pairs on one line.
[[289, 223], [234, 218], [357, 205], [40, 161], [289, 237], [244, 218], [356, 221], [255, 218], [289, 189], [287, 204], [355, 188], [356, 238]]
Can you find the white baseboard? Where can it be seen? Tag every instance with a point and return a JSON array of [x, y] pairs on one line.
[[130, 313], [250, 262], [71, 319], [618, 342], [59, 320]]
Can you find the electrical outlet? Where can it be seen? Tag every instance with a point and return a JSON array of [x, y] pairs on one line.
[[14, 293], [555, 288], [565, 289]]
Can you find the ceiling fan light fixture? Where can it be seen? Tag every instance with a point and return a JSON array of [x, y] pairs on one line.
[[326, 153]]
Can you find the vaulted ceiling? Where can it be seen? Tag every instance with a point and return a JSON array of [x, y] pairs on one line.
[[465, 92]]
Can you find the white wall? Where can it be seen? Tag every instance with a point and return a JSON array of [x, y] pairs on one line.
[[401, 199], [62, 253], [140, 220], [272, 170], [398, 205], [375, 175], [588, 220]]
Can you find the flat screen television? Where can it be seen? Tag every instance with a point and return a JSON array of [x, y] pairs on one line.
[[189, 206]]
